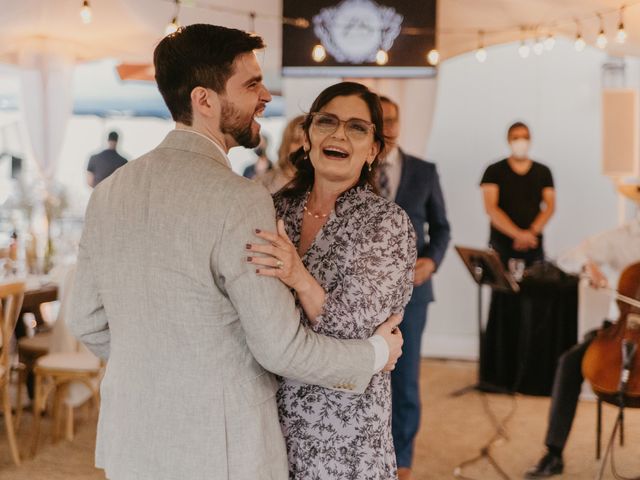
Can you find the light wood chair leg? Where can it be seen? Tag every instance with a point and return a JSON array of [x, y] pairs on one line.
[[22, 378], [37, 412], [60, 395], [8, 422], [69, 423]]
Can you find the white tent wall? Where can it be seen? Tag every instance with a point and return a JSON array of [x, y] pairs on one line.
[[559, 95]]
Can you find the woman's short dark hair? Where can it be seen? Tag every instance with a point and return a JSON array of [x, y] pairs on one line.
[[198, 55], [305, 174]]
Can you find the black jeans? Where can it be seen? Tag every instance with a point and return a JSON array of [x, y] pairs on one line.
[[567, 384]]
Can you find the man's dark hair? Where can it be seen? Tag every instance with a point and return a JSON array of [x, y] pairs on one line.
[[198, 55], [386, 99], [305, 174], [517, 125], [113, 136]]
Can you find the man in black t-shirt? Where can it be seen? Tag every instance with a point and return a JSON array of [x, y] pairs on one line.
[[520, 199], [105, 163]]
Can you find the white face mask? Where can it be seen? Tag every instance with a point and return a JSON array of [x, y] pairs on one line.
[[520, 148]]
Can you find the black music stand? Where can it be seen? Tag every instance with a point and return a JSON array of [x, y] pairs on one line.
[[485, 268]]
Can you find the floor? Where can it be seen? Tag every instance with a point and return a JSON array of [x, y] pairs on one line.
[[453, 430]]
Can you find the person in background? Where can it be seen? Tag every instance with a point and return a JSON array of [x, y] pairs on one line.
[[415, 186], [613, 251], [284, 171], [263, 164], [103, 164], [519, 198]]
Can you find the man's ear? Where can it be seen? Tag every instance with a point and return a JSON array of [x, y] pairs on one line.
[[205, 101]]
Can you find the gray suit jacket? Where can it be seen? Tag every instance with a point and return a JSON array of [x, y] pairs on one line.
[[163, 291]]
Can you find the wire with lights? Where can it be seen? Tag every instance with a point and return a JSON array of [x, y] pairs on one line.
[[532, 38]]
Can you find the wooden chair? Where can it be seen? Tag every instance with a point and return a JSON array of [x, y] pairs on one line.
[[11, 296], [57, 373], [69, 371]]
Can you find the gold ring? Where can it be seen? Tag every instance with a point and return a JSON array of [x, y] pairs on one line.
[[280, 264]]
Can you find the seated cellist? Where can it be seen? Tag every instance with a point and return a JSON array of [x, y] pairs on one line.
[[612, 250]]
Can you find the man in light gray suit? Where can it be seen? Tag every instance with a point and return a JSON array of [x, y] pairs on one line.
[[164, 293]]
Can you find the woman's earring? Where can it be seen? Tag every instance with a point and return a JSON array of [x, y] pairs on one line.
[[370, 167], [306, 155]]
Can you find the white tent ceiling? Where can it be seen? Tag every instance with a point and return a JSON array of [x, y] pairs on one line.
[[129, 29]]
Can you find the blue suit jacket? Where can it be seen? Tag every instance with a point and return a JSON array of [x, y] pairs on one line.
[[420, 195]]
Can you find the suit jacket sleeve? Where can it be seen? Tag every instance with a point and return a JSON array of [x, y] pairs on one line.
[[267, 313], [439, 230], [88, 319]]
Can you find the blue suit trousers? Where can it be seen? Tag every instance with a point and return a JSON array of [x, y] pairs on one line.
[[405, 384]]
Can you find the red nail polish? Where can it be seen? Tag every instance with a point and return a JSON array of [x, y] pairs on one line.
[[257, 230], [248, 246], [248, 259]]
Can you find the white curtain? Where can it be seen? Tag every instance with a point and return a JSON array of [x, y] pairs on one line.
[[46, 94]]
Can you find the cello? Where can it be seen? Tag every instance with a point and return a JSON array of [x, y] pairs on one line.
[[612, 362]]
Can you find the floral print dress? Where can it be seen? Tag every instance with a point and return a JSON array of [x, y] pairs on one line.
[[364, 258]]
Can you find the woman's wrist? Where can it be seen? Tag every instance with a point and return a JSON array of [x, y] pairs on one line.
[[305, 284]]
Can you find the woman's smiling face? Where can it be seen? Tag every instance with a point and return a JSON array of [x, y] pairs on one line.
[[339, 156]]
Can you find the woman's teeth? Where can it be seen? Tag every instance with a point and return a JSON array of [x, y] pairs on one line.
[[335, 152]]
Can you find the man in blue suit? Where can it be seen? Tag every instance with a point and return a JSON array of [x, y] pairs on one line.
[[414, 185]]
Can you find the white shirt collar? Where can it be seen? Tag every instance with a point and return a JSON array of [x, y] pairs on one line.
[[393, 157], [218, 146]]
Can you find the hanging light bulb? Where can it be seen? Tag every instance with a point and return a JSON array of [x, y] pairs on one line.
[[579, 43], [621, 36], [538, 47], [550, 42], [318, 54], [523, 49], [85, 12], [174, 24], [433, 57], [481, 53], [601, 41], [382, 57]]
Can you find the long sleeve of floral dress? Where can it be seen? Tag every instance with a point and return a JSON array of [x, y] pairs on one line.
[[364, 258]]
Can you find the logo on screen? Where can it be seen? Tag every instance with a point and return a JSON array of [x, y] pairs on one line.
[[354, 30]]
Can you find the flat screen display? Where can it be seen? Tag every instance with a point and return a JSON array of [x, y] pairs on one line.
[[353, 33]]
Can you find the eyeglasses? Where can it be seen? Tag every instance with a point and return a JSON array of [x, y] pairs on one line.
[[328, 123]]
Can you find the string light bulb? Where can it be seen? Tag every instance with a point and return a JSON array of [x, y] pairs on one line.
[[481, 53], [579, 44], [85, 12], [601, 41], [621, 35], [173, 26], [523, 49], [382, 57], [538, 47], [549, 42], [433, 57], [318, 54]]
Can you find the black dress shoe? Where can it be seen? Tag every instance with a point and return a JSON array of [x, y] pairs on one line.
[[548, 466]]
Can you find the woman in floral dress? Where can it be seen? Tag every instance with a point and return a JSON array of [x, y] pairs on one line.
[[348, 255]]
